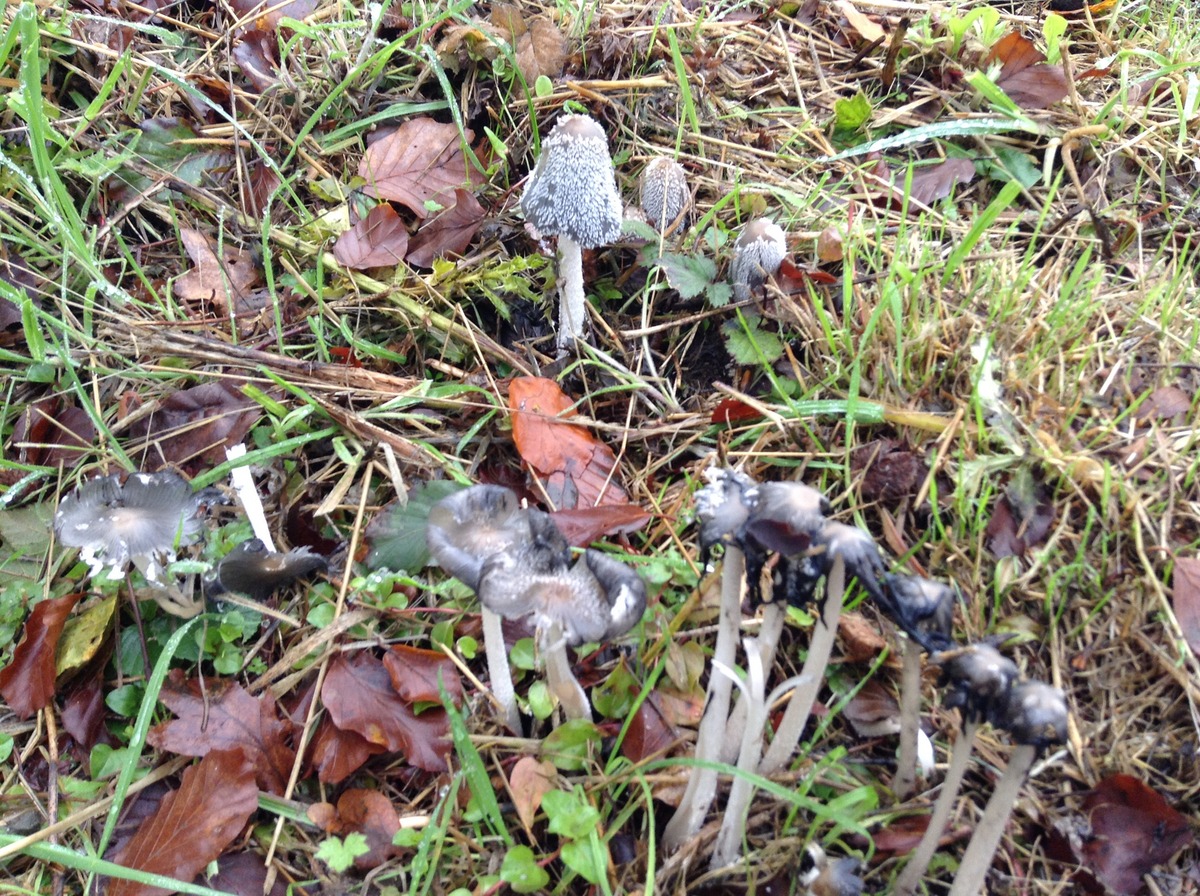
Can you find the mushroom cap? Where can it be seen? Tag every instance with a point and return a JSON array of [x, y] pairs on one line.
[[467, 527], [758, 253], [786, 516], [664, 192], [253, 570], [572, 191], [922, 607], [723, 506], [821, 876], [148, 514], [977, 675], [1033, 713]]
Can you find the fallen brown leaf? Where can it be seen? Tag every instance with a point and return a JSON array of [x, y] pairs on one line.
[[191, 428], [1185, 599], [366, 812], [228, 282], [448, 233], [1024, 74], [415, 673], [27, 683], [378, 240], [530, 780], [420, 162]]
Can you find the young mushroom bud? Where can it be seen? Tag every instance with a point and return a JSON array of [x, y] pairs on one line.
[[572, 194], [665, 197], [757, 255], [1035, 715], [821, 876]]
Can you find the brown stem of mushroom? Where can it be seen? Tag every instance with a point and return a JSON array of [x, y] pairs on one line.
[[972, 871], [702, 783], [753, 694], [910, 718], [560, 679], [910, 878], [795, 717], [774, 615], [499, 673], [571, 304]]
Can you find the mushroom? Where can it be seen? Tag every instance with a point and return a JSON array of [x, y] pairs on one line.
[[977, 675], [572, 194], [465, 529], [842, 550], [1035, 716], [665, 197], [758, 253], [924, 609], [822, 877], [253, 570]]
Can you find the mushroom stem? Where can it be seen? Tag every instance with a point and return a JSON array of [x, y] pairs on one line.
[[795, 717], [702, 784], [766, 643], [559, 678], [571, 305], [499, 673], [910, 878], [753, 693], [972, 871], [910, 718]]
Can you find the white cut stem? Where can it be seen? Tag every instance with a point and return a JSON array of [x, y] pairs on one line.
[[799, 708], [702, 783], [972, 871], [247, 492], [733, 825], [767, 642], [910, 878], [905, 781], [571, 305], [499, 673], [560, 678]]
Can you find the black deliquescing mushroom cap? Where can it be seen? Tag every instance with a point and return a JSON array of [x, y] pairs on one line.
[[722, 507], [786, 516], [467, 527], [572, 191], [149, 514], [250, 569], [665, 197], [1033, 713], [976, 676], [758, 253], [922, 608]]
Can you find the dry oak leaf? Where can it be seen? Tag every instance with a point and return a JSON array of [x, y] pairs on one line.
[[193, 825], [27, 683], [359, 697], [932, 183], [420, 162], [448, 233], [378, 240], [577, 469], [228, 283], [224, 716], [1024, 74]]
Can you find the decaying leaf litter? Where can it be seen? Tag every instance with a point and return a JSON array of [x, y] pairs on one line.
[[300, 229]]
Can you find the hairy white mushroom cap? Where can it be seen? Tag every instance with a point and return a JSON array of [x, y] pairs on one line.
[[148, 516], [758, 253], [572, 191], [664, 192]]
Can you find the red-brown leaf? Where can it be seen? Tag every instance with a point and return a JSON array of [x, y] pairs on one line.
[[931, 183], [584, 525], [1024, 74], [359, 697], [83, 713], [48, 433], [421, 161], [578, 470], [192, 428], [415, 674], [650, 732], [734, 410], [1133, 829], [449, 233], [27, 683], [337, 754], [242, 874], [1185, 599], [225, 717], [378, 240], [366, 812], [192, 825], [267, 14]]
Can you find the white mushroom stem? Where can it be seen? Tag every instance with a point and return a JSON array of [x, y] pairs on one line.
[[910, 718], [795, 717], [499, 673], [910, 878], [972, 871], [559, 677], [702, 784], [766, 643], [753, 692], [571, 306]]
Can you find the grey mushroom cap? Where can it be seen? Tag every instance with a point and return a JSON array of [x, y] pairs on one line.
[[469, 526], [664, 193], [572, 191], [922, 607], [250, 569], [822, 876], [758, 253], [787, 516], [977, 676], [148, 514], [723, 506], [1033, 713]]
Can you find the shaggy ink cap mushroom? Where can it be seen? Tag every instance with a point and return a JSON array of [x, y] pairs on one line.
[[822, 876], [922, 608], [858, 551], [975, 677], [147, 517], [1033, 713], [723, 506], [757, 254], [785, 519], [467, 527], [665, 197], [572, 191], [253, 570]]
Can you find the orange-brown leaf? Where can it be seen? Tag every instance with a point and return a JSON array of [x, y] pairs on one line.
[[415, 674], [583, 525], [1024, 74], [529, 781], [577, 469], [361, 811], [337, 754], [192, 825], [27, 683], [650, 732], [1185, 599], [378, 240], [227, 282], [448, 233], [421, 161]]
